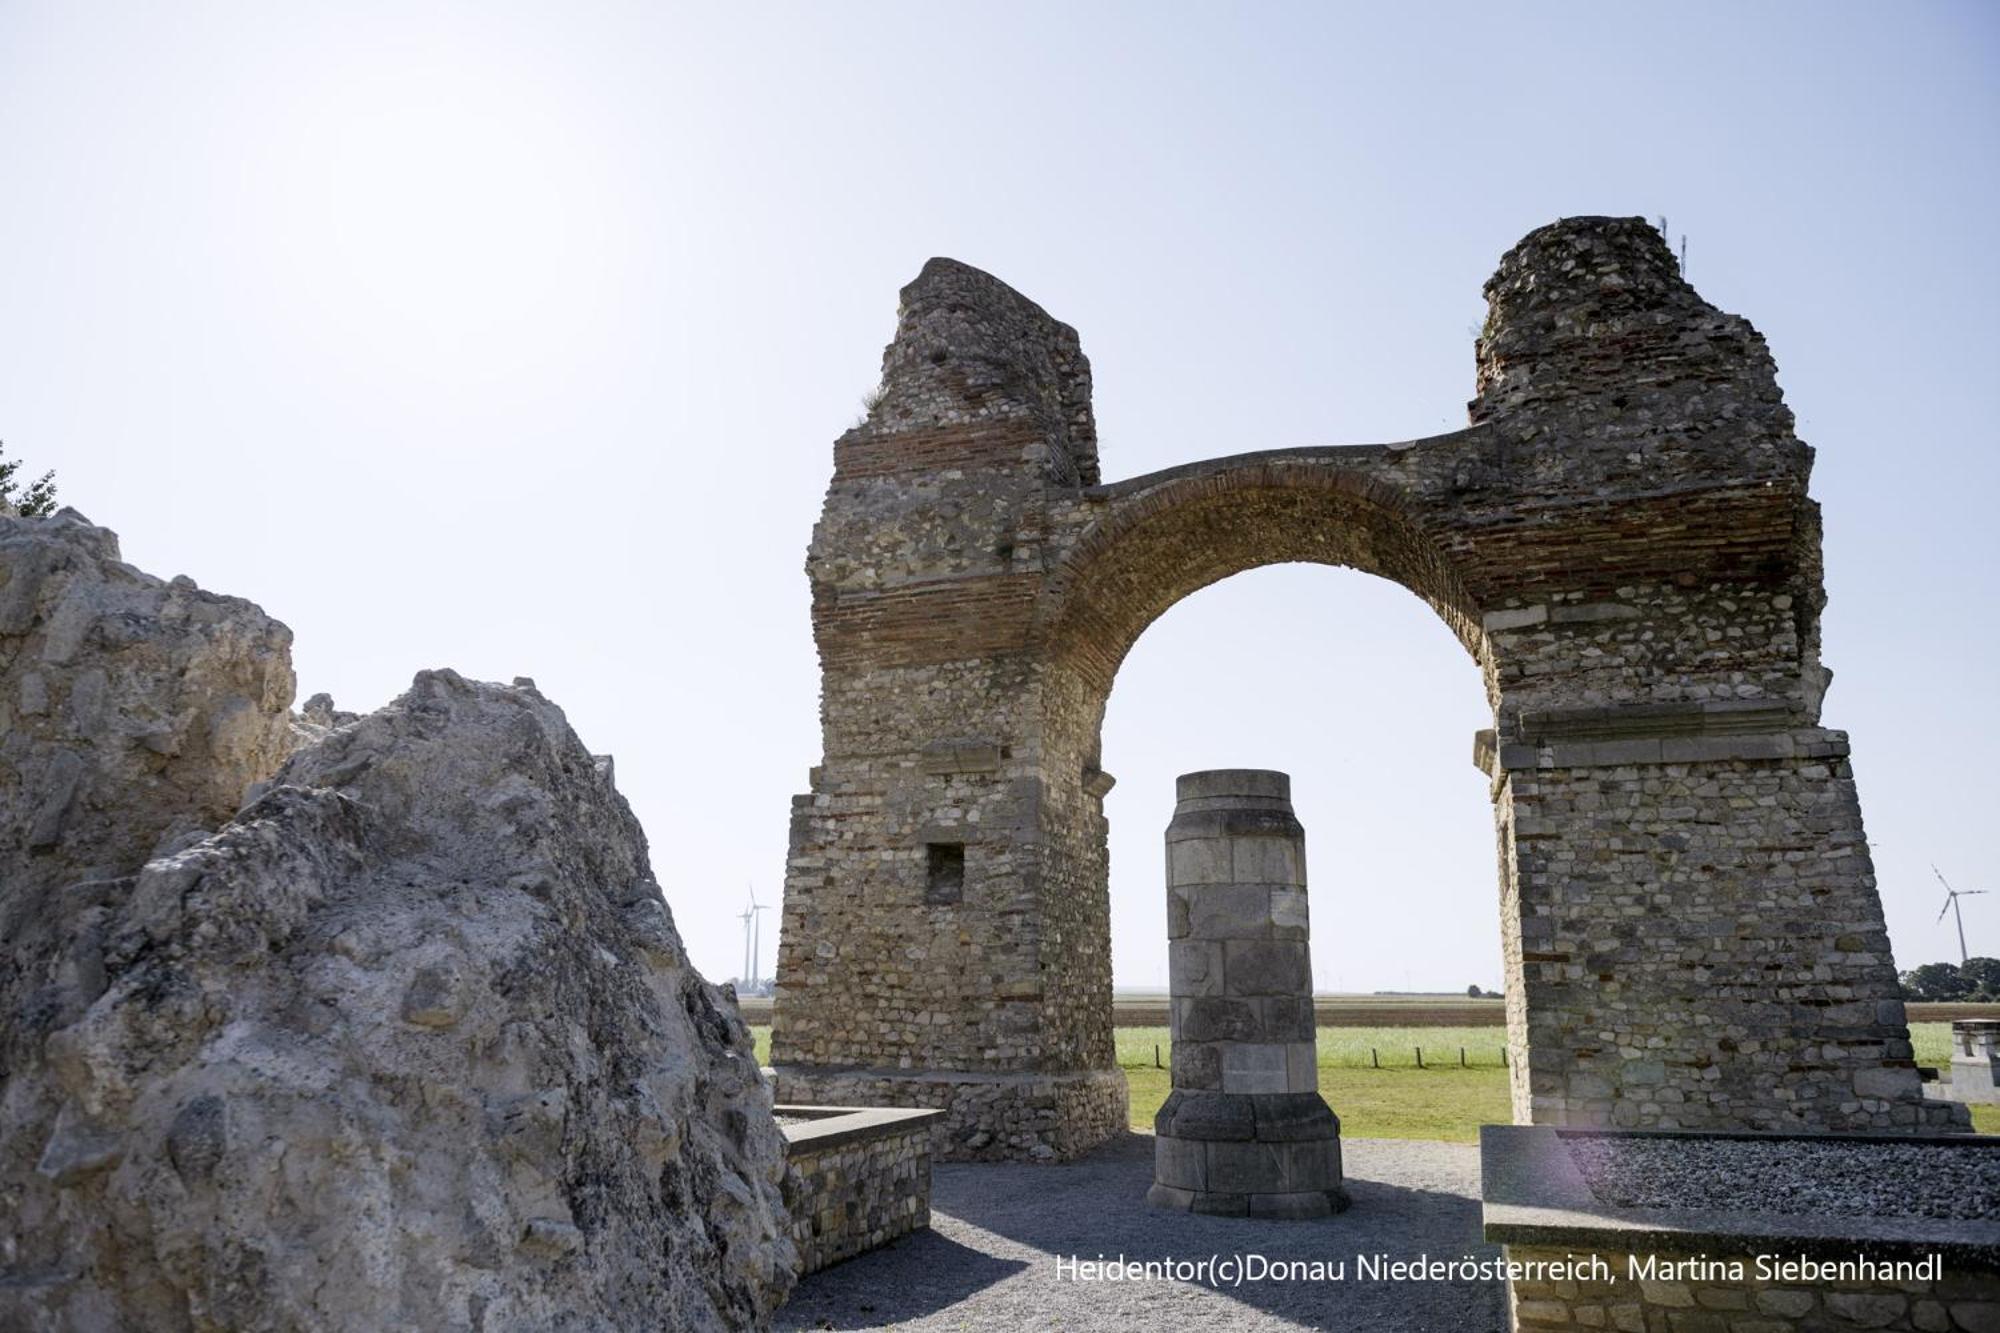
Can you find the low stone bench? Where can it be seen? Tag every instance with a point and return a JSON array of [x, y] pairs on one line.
[[1694, 1232], [855, 1177], [1975, 1061]]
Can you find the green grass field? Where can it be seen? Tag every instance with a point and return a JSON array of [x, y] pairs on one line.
[[1370, 1077]]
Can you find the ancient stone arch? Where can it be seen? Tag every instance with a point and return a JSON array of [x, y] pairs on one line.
[[1622, 539]]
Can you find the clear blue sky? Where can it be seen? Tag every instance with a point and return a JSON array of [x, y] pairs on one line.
[[515, 338]]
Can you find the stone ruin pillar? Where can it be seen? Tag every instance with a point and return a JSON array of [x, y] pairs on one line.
[[1975, 1060], [1245, 1130]]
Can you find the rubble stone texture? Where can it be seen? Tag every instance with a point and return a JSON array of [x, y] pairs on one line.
[[1244, 1131], [132, 709], [1624, 543], [408, 1042], [855, 1190], [1963, 1299]]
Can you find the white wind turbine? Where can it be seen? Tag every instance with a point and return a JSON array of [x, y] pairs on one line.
[[754, 924], [1951, 897]]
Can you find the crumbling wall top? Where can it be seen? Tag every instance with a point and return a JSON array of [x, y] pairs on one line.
[[1591, 318], [969, 348]]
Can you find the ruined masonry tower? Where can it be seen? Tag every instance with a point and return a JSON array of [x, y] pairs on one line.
[[1622, 540], [1245, 1130]]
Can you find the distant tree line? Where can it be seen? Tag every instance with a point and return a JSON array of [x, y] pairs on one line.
[[1975, 979], [31, 499]]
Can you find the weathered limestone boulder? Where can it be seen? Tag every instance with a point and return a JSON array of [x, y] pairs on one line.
[[132, 709], [408, 1043]]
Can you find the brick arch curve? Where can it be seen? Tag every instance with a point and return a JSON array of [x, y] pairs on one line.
[[1162, 538]]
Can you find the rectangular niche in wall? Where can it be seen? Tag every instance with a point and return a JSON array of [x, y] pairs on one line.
[[946, 870]]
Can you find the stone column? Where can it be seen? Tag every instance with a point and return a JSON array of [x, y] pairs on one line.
[[1245, 1130]]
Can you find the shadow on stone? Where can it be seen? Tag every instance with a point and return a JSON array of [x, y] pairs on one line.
[[918, 1274], [998, 1231]]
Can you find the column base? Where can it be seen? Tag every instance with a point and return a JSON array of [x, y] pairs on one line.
[[1273, 1155], [1291, 1207]]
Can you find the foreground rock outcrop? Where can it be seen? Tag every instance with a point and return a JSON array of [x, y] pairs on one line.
[[409, 1041], [132, 709]]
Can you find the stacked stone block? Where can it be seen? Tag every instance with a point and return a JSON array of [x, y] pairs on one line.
[[1244, 1130], [1975, 1061], [1957, 1302]]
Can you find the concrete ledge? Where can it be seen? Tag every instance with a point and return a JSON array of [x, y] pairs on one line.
[[1706, 717], [834, 1125], [973, 755], [1496, 756], [1014, 1115], [795, 1069]]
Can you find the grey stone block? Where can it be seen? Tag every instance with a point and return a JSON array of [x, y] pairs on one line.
[[1269, 861], [1298, 1206], [1290, 915], [1287, 1018], [1239, 820], [1197, 1065], [1295, 1115], [1266, 784], [1636, 1073], [1194, 967], [1255, 1067], [1247, 1168], [1181, 1163], [1221, 1205], [1266, 967], [1230, 912], [1302, 1067], [1513, 618], [1888, 1084], [1215, 1018], [1309, 1164], [1209, 1116], [1592, 613], [1200, 861]]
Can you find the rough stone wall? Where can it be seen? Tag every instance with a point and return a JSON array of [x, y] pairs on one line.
[[1959, 1302], [133, 710], [986, 1116], [1622, 540], [1723, 961], [851, 1197], [968, 993]]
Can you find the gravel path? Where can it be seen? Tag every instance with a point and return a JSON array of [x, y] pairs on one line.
[[989, 1261], [1869, 1179]]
